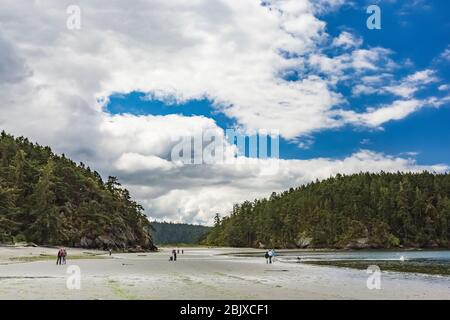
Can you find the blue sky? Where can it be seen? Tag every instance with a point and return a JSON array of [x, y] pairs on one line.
[[416, 33]]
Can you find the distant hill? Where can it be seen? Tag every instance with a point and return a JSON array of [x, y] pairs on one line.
[[171, 233], [50, 200], [358, 211]]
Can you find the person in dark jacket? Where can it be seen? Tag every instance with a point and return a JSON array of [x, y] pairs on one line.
[[60, 256], [174, 255]]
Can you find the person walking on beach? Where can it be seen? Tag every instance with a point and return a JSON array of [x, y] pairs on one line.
[[174, 254], [182, 251], [270, 256], [274, 254], [267, 257], [59, 258], [64, 254], [110, 252]]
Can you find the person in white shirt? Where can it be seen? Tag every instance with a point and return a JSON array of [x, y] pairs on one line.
[[270, 256]]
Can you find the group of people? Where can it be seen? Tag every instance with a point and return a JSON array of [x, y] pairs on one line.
[[62, 253], [173, 257], [270, 255]]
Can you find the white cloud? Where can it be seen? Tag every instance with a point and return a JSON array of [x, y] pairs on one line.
[[347, 40], [446, 54], [131, 162], [422, 77], [361, 89], [404, 88], [13, 67], [354, 63], [399, 109]]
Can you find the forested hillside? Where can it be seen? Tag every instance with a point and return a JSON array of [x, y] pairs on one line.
[[171, 233], [362, 210], [48, 199]]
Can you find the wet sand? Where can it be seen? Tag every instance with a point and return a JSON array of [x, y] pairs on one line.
[[201, 273]]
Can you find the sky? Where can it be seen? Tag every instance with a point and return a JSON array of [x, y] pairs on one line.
[[116, 86]]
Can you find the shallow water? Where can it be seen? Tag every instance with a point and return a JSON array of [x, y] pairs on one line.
[[418, 261], [423, 256]]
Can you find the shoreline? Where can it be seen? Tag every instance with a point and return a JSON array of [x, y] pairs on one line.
[[201, 274], [346, 249], [346, 260]]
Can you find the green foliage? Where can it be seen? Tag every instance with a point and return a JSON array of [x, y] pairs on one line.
[[49, 199], [362, 210], [171, 233]]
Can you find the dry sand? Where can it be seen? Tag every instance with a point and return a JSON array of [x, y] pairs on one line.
[[201, 273]]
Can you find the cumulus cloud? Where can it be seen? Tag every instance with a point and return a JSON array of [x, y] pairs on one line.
[[13, 67], [399, 109], [408, 86], [136, 162], [347, 40], [445, 55], [404, 88], [354, 63]]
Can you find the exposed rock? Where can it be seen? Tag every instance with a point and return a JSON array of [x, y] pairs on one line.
[[303, 242], [30, 244], [432, 244], [412, 245], [85, 242], [104, 242], [290, 245], [361, 243]]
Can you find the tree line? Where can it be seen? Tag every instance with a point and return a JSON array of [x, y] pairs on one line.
[[364, 210], [173, 233], [49, 199]]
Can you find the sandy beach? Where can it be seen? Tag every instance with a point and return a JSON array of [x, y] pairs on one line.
[[200, 273]]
